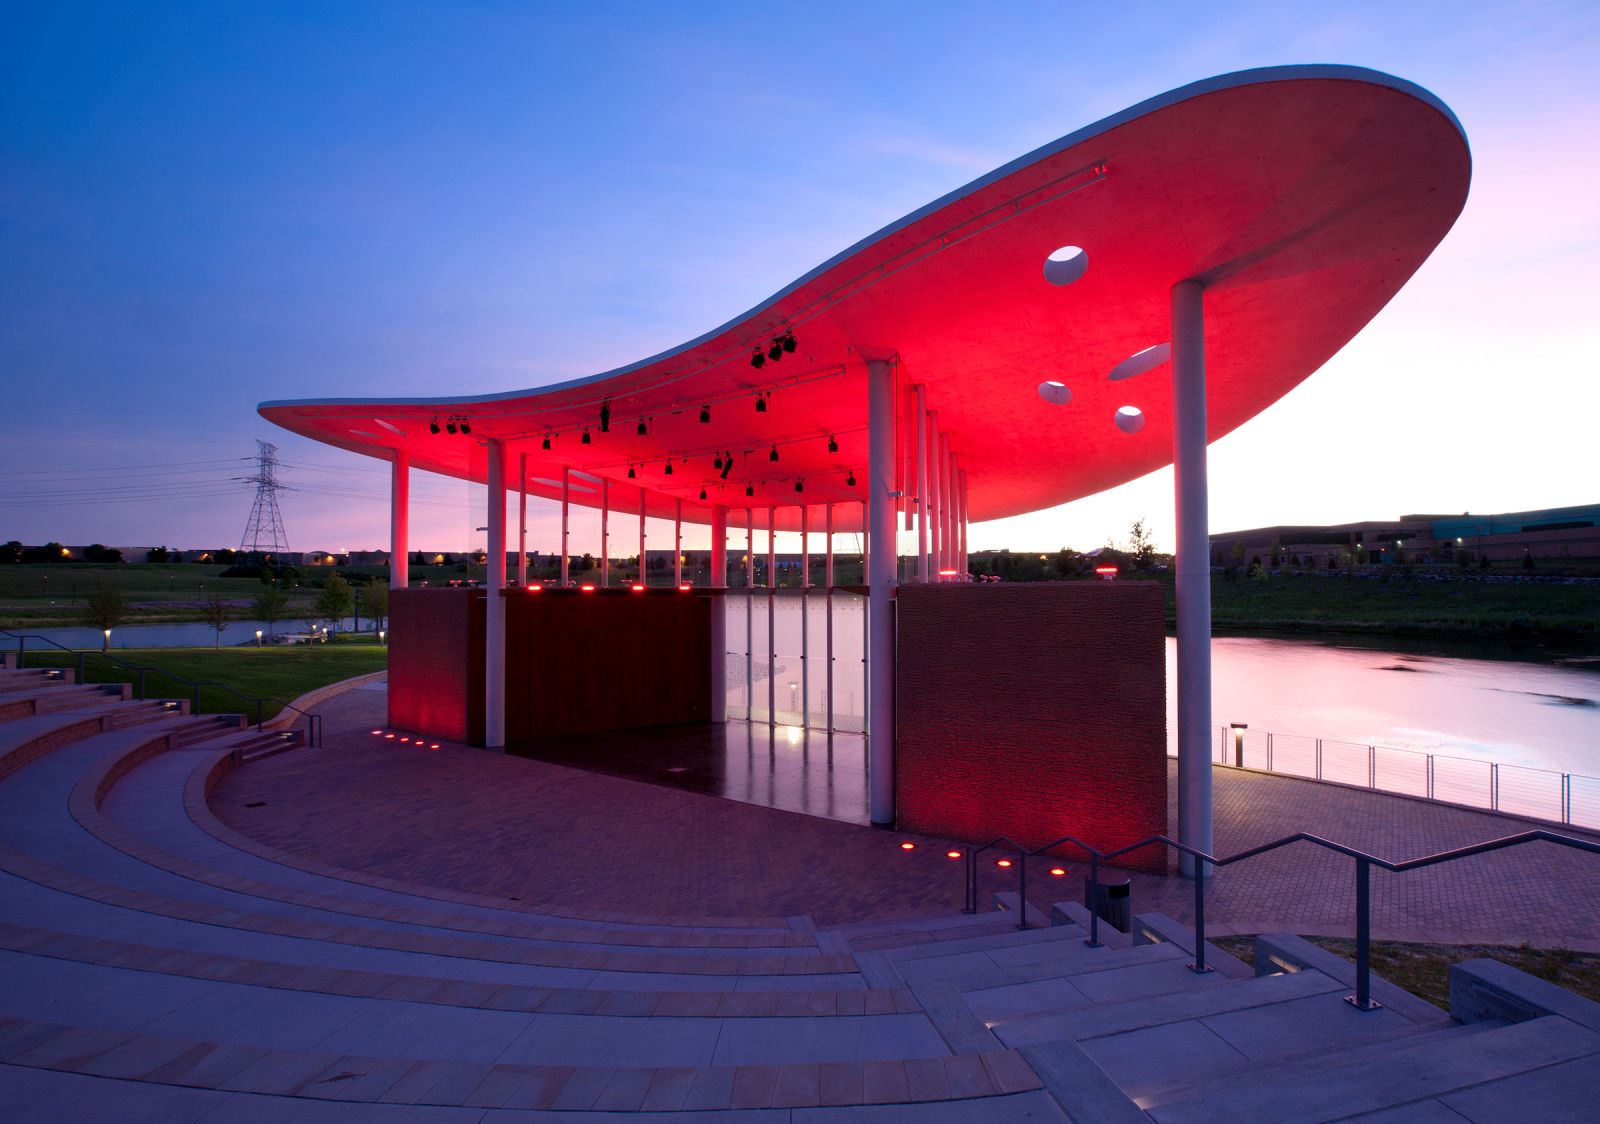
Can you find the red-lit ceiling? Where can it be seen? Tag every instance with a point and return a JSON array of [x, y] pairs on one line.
[[1303, 197]]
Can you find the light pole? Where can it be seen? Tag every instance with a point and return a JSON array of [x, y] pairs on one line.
[[258, 638], [105, 644]]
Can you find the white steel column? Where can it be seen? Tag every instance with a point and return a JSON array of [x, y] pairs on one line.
[[881, 586], [1193, 566], [566, 510], [935, 498], [644, 575], [677, 545], [399, 520], [947, 507], [750, 612], [494, 655], [961, 491], [772, 615], [805, 615], [605, 531], [922, 483], [828, 579], [719, 546], [522, 521]]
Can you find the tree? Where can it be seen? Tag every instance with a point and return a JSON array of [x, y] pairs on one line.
[[96, 552], [271, 605], [217, 613], [104, 609], [375, 600], [1141, 547], [335, 601], [156, 554], [11, 553]]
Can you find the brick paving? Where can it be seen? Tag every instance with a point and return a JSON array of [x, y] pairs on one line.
[[583, 843]]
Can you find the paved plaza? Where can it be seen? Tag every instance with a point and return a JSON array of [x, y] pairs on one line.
[[552, 837]]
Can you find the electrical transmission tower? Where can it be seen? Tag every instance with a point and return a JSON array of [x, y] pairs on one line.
[[263, 531]]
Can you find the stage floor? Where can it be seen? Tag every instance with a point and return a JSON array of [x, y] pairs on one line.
[[784, 767]]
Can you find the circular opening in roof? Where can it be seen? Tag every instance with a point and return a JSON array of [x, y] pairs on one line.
[[1058, 393], [1141, 361], [1130, 419], [1066, 265]]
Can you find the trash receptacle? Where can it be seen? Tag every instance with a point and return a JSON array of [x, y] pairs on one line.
[[1113, 901]]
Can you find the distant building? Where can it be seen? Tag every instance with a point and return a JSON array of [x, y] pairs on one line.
[[1554, 534]]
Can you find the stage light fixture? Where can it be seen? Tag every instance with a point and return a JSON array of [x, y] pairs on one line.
[[761, 402], [773, 456], [749, 489], [850, 481], [799, 485], [705, 415], [702, 493], [632, 475], [727, 465], [546, 444], [450, 426], [758, 359], [833, 443], [466, 426], [642, 429], [789, 342], [605, 416], [718, 462], [669, 468], [586, 439], [433, 426], [775, 349]]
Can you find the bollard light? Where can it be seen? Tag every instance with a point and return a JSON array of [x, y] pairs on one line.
[[258, 638], [381, 634], [1238, 729]]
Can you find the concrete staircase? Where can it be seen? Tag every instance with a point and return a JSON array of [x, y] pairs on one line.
[[158, 965]]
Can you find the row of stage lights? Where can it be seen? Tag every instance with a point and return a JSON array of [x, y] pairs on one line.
[[776, 350], [455, 423]]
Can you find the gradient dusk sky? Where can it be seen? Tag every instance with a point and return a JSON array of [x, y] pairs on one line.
[[203, 206]]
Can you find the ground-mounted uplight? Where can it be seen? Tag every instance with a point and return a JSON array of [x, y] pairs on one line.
[[536, 587], [1003, 864], [389, 737], [685, 587], [1066, 265], [377, 732], [405, 739], [1058, 871], [952, 854], [435, 745], [1106, 573], [1129, 419], [1056, 393], [907, 845], [637, 587], [586, 589], [1141, 361]]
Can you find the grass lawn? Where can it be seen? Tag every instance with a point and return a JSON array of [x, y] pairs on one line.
[[1424, 969], [281, 673]]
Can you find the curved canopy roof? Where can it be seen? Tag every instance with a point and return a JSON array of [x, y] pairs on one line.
[[1302, 197]]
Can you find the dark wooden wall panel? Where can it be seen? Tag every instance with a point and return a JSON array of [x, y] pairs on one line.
[[1033, 711], [436, 662]]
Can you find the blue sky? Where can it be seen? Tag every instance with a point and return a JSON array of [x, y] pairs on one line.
[[203, 206]]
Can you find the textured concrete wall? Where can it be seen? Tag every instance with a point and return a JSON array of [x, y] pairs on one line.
[[1033, 711]]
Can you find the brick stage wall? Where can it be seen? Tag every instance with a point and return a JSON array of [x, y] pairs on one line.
[[1033, 711], [436, 662], [608, 660]]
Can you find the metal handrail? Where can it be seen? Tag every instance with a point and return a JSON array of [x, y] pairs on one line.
[[313, 721], [1362, 999]]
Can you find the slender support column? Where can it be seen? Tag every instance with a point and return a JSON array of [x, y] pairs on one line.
[[605, 532], [522, 521], [922, 483], [881, 585], [772, 615], [566, 528], [750, 612], [719, 546], [1193, 566], [961, 490], [494, 655], [677, 545], [946, 506], [828, 579], [805, 615], [936, 501], [644, 575], [400, 520]]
